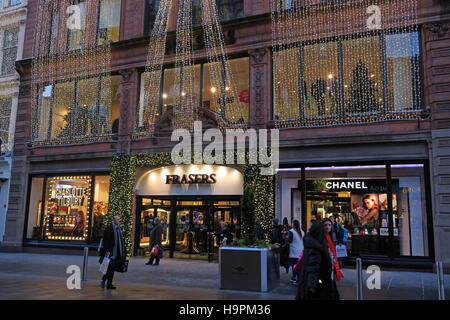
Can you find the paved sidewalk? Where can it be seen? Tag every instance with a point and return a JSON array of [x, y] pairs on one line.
[[40, 276]]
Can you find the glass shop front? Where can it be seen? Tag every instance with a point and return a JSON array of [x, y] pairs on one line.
[[67, 208], [384, 208], [190, 202]]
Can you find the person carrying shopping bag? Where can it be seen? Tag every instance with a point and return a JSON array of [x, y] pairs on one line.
[[113, 248], [155, 243]]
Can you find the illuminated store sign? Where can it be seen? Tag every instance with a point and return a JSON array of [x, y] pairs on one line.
[[71, 196], [191, 179], [347, 185]]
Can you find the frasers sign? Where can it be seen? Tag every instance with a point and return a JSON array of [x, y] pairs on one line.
[[346, 185], [191, 179], [70, 196]]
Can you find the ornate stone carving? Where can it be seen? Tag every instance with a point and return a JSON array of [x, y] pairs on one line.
[[127, 74], [24, 90], [257, 55]]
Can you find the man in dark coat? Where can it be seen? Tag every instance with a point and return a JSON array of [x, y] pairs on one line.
[[315, 277], [155, 240], [114, 248], [276, 232]]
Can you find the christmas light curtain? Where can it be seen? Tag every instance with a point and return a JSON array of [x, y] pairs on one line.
[[70, 72], [343, 62]]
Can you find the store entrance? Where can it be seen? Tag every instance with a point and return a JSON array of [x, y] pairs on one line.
[[191, 227]]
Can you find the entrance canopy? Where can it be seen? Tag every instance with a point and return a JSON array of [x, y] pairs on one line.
[[190, 180]]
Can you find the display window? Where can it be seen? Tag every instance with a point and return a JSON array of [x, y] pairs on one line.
[[383, 208], [67, 207]]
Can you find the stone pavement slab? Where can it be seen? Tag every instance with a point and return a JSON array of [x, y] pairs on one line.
[[42, 276]]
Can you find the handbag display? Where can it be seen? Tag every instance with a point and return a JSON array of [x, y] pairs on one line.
[[104, 266]]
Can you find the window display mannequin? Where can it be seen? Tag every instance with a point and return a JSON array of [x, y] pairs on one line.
[[318, 91]]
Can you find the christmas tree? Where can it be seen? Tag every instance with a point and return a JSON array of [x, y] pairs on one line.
[[362, 91], [75, 123]]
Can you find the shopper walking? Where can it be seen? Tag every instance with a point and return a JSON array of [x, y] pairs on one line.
[[155, 241], [316, 271], [259, 232], [113, 248], [276, 232], [295, 240], [329, 232]]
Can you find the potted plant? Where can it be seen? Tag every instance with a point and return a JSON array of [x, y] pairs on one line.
[[249, 264]]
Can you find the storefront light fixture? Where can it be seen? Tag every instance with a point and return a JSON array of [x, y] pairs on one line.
[[396, 166]]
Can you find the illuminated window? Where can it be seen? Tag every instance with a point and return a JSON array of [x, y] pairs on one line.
[[75, 37], [109, 21]]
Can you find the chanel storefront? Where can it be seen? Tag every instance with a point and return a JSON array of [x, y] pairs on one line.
[[190, 201]]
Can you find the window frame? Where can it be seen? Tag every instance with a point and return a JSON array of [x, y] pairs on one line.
[[46, 176], [340, 55], [99, 78], [202, 64], [4, 48]]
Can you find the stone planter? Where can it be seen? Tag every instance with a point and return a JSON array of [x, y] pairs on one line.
[[249, 269]]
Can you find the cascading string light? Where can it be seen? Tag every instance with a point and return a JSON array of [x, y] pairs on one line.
[[70, 57], [232, 109], [328, 62], [154, 67]]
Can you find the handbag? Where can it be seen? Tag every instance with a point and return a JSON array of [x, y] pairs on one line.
[[155, 251], [298, 265], [104, 266], [122, 265]]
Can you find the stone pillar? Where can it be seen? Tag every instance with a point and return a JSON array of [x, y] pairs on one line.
[[436, 40], [260, 87], [128, 99], [15, 216]]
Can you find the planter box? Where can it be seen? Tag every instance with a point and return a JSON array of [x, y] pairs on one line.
[[249, 269]]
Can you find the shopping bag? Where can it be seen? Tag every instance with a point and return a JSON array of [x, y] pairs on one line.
[[341, 251], [298, 265], [155, 251], [104, 265]]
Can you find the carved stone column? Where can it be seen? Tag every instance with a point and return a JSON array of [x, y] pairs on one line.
[[260, 87], [128, 97]]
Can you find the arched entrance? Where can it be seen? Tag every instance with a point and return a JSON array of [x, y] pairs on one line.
[[190, 201]]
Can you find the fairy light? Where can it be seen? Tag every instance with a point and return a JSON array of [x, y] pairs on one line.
[[63, 58], [327, 65]]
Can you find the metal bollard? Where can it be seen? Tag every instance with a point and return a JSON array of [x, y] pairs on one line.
[[440, 275], [359, 280], [85, 263]]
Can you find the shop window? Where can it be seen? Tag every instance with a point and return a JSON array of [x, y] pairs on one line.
[[34, 230], [109, 21], [63, 114], [356, 197], [409, 206], [321, 78], [286, 88], [403, 65], [100, 206], [75, 37], [53, 32], [77, 109], [226, 10], [347, 79], [362, 75], [67, 208]]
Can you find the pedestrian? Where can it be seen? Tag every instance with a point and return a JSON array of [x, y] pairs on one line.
[[259, 232], [329, 232], [337, 235], [155, 241], [276, 232], [295, 240], [316, 271], [285, 228], [113, 248], [225, 233]]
